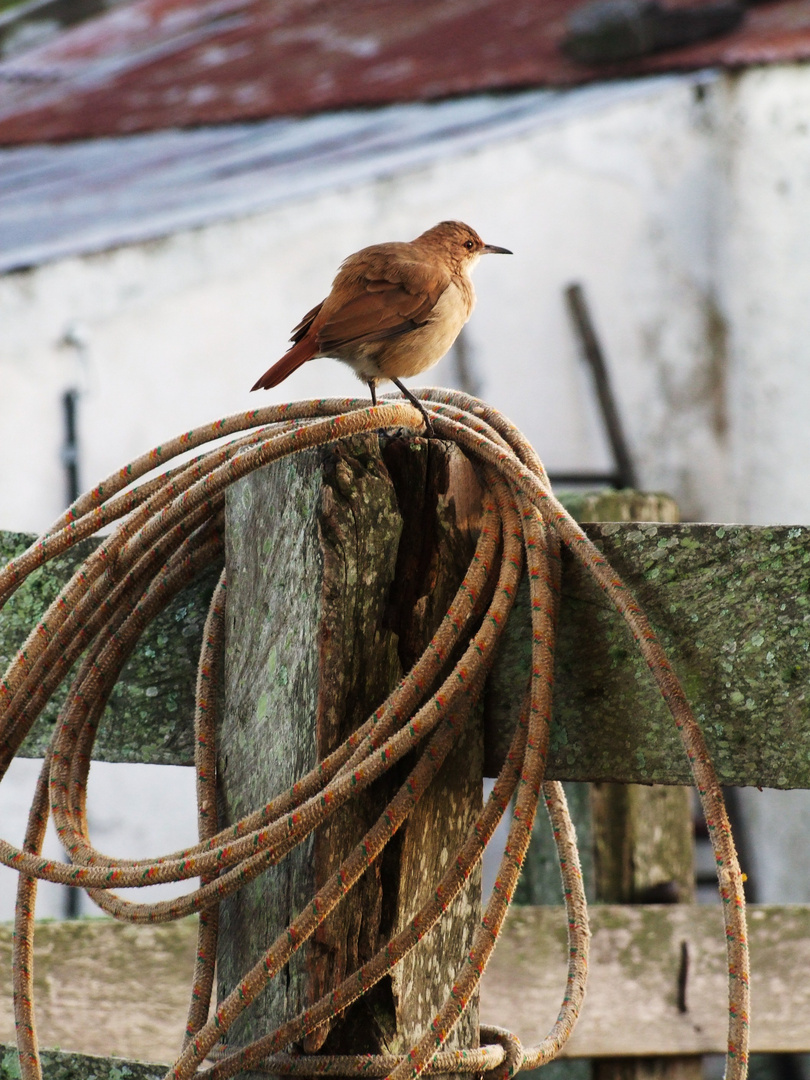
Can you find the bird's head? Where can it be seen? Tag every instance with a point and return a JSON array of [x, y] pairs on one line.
[[460, 244]]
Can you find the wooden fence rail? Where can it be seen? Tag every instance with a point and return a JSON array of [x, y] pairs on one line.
[[731, 603], [96, 983]]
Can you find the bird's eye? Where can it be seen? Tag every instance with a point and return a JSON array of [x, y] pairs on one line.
[[469, 244]]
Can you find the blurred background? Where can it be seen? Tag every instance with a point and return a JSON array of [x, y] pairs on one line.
[[179, 180]]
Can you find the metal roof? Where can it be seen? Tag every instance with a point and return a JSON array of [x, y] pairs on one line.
[[154, 64]]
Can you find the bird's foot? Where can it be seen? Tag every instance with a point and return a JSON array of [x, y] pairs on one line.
[[430, 432]]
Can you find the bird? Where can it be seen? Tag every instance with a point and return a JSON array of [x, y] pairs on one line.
[[394, 310]]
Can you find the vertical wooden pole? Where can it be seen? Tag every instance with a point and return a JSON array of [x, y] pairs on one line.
[[644, 853], [341, 562], [643, 836], [637, 840]]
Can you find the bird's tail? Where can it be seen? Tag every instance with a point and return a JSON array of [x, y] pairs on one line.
[[290, 361]]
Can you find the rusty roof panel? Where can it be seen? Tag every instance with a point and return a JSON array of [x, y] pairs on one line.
[[155, 64]]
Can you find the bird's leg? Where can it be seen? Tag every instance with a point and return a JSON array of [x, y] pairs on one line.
[[415, 401]]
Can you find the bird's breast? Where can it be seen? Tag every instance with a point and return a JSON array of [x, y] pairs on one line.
[[454, 306]]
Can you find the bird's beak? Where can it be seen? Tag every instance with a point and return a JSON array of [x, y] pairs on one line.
[[491, 249]]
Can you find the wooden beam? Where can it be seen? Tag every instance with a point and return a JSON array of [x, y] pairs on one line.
[[114, 969], [637, 988], [732, 607], [380, 540], [731, 603], [105, 988], [61, 1065], [150, 715]]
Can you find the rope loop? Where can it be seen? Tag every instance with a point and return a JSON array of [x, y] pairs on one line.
[[167, 529], [513, 1053]]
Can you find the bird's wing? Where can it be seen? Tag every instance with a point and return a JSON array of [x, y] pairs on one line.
[[303, 327], [387, 296]]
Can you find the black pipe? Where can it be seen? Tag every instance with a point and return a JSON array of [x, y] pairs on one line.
[[70, 460], [70, 447]]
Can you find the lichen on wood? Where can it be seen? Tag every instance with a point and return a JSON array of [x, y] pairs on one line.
[[731, 604], [63, 1065], [150, 713]]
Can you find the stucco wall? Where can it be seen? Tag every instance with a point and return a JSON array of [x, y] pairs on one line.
[[644, 193], [764, 283], [681, 204]]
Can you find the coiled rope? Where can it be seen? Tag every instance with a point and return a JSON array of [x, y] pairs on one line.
[[170, 529]]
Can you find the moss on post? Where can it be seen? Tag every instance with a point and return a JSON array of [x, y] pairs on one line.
[[340, 564]]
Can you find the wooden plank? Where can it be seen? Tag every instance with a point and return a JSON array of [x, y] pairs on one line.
[[150, 715], [732, 606], [61, 1065], [115, 969], [731, 603], [95, 988], [632, 1004]]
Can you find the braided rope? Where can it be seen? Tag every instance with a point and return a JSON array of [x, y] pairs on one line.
[[168, 529]]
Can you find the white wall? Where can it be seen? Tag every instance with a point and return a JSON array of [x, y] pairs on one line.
[[134, 811], [764, 282], [681, 204], [652, 196]]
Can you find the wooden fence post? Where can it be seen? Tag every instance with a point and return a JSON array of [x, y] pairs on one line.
[[341, 562], [638, 839], [642, 836]]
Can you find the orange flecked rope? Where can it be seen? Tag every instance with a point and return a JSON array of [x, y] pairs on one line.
[[169, 529]]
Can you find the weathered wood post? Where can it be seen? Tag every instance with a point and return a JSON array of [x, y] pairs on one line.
[[642, 835], [341, 562], [637, 839]]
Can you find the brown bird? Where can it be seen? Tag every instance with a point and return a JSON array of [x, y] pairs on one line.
[[394, 309]]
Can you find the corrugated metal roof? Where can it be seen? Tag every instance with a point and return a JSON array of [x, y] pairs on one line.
[[90, 195], [154, 64]]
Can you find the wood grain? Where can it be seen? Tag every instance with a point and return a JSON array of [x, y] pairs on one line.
[[631, 1007], [375, 539]]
